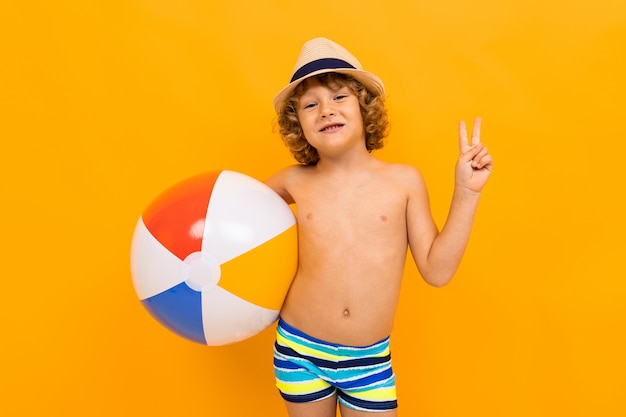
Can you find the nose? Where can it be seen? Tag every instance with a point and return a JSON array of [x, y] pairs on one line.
[[327, 110]]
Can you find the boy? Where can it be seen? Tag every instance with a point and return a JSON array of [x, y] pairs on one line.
[[357, 216]]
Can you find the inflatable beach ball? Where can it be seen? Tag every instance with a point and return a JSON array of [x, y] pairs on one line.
[[212, 257]]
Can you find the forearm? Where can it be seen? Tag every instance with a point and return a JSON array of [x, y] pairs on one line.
[[449, 245]]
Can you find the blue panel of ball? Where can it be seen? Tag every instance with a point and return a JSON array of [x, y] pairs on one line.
[[180, 310]]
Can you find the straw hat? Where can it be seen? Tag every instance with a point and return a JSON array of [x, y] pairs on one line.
[[322, 55]]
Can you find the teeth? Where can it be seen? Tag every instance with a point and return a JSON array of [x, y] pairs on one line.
[[330, 128]]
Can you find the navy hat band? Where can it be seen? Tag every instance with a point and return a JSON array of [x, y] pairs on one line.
[[320, 64]]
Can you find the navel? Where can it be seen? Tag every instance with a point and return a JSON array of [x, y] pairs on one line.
[[346, 313]]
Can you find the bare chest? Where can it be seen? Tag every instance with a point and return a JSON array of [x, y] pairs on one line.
[[351, 213]]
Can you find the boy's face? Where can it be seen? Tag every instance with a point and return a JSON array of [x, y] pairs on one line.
[[330, 118]]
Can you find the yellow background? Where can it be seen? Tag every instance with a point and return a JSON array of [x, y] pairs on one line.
[[105, 104]]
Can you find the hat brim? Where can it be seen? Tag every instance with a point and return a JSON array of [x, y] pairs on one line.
[[369, 80]]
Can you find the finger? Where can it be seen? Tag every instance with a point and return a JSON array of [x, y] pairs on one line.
[[476, 131], [463, 142], [483, 151], [483, 159], [479, 159], [485, 162], [471, 152]]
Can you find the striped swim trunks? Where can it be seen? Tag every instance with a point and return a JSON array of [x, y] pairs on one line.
[[308, 369]]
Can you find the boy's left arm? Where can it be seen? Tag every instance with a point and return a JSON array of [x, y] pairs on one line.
[[440, 259]]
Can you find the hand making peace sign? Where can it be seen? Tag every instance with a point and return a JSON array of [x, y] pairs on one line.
[[475, 163]]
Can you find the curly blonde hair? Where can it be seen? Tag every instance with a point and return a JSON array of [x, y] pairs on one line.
[[375, 121]]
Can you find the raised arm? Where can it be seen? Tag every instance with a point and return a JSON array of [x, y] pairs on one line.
[[438, 254]]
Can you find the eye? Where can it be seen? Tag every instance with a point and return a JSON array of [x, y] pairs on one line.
[[309, 105], [340, 96]]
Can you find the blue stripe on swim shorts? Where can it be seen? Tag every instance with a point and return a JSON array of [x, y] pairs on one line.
[[308, 369]]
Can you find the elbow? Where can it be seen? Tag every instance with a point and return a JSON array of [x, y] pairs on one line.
[[438, 284], [439, 280], [437, 273]]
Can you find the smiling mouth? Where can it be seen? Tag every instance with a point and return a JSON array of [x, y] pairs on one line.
[[332, 128]]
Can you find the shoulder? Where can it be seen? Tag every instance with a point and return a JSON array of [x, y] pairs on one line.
[[289, 173], [407, 180], [404, 173], [282, 181]]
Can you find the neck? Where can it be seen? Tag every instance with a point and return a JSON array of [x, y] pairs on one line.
[[346, 163]]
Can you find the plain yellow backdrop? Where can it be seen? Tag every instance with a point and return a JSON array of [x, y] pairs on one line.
[[105, 104]]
